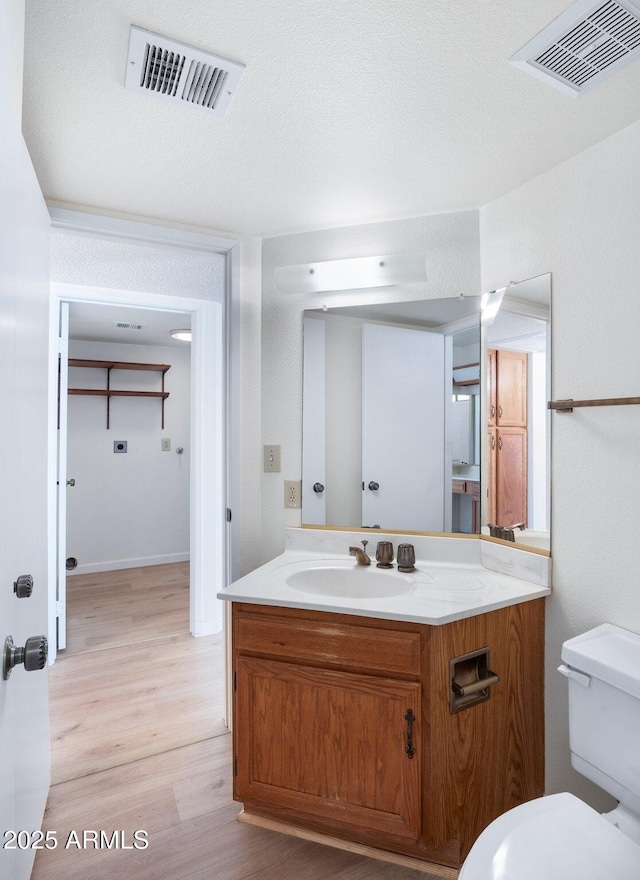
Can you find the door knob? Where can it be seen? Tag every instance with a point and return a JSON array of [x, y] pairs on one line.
[[33, 655], [318, 488], [374, 486], [71, 482], [23, 587]]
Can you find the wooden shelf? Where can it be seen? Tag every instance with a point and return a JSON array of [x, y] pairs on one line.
[[118, 365], [96, 392], [109, 392]]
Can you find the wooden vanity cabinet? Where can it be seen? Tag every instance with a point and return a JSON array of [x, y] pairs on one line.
[[342, 725]]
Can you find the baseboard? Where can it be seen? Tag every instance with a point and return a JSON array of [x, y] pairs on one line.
[[207, 627], [434, 870], [140, 562]]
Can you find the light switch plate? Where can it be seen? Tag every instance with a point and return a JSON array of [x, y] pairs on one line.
[[292, 494], [271, 458]]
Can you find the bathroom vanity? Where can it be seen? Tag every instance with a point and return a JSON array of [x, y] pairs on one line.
[[400, 716]]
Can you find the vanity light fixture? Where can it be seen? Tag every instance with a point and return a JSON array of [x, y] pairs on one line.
[[183, 335], [359, 273]]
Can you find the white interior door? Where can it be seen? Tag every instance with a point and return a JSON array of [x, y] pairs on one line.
[[24, 318], [313, 423], [59, 638], [403, 429]]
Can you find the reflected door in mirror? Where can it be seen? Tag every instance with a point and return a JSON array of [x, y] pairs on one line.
[[403, 406]]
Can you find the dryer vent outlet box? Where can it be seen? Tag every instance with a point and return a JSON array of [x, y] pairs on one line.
[[584, 46], [180, 74]]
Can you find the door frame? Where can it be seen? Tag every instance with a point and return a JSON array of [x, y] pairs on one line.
[[214, 403]]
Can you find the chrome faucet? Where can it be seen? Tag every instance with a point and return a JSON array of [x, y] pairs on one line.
[[361, 555]]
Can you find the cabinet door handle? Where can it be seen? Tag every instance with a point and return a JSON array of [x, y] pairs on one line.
[[410, 748], [500, 411], [493, 411], [500, 442], [493, 441]]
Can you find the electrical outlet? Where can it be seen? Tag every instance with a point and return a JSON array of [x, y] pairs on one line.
[[271, 458], [292, 493], [166, 444]]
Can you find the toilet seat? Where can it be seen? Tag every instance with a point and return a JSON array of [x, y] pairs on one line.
[[557, 837]]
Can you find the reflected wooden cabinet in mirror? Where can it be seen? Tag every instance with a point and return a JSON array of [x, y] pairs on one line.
[[507, 427]]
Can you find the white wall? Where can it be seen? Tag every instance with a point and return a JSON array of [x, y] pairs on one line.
[[128, 508], [451, 244], [128, 265], [581, 222]]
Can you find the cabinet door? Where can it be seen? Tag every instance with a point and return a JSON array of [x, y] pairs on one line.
[[329, 745], [492, 448], [511, 476], [511, 389], [491, 387]]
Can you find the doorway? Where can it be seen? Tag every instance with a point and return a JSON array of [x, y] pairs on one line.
[[128, 461], [134, 681], [207, 476]]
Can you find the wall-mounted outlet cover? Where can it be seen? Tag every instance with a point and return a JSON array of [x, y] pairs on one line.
[[271, 458], [119, 445], [166, 444], [293, 494]]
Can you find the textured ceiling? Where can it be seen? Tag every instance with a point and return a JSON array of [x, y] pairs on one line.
[[96, 322], [349, 111]]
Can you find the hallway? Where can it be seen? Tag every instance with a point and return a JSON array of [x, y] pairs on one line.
[[133, 682]]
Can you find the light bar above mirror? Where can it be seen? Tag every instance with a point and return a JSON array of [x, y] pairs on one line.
[[360, 273]]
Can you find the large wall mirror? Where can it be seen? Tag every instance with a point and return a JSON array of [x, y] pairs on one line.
[[392, 420], [516, 346], [401, 433]]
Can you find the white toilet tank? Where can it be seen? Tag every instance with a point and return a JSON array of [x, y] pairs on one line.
[[603, 668]]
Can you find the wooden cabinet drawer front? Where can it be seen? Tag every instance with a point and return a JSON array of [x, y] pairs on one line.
[[339, 644], [459, 487]]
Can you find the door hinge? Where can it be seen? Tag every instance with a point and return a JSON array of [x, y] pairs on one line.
[[235, 682], [235, 765], [59, 609], [228, 514]]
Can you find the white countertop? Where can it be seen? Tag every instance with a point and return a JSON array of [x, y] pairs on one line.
[[446, 586]]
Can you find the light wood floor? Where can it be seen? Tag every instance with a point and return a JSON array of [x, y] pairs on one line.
[[122, 715], [124, 607], [133, 682]]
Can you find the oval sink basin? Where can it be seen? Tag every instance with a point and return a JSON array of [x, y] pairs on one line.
[[351, 583]]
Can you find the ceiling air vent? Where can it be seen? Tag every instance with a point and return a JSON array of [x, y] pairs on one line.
[[122, 326], [180, 74], [584, 46]]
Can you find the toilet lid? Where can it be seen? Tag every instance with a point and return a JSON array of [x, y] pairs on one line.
[[557, 837]]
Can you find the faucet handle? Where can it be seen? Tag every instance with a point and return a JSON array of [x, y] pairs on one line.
[[384, 554]]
